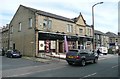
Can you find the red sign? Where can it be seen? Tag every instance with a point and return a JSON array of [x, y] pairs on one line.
[[47, 45]]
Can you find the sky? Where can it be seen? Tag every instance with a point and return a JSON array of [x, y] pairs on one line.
[[106, 14]]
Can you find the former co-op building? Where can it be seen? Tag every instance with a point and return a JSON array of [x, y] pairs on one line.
[[34, 31]]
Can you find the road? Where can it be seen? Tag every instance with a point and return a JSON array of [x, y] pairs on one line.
[[106, 67], [13, 63]]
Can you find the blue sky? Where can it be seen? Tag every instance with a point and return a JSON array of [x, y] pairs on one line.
[[106, 14]]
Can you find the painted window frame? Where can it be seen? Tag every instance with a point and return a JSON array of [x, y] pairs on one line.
[[20, 27], [30, 22]]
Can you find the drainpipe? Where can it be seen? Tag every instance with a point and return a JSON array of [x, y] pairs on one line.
[[36, 35]]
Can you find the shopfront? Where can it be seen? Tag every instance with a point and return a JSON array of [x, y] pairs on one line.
[[53, 42]]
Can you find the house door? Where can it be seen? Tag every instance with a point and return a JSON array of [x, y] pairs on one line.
[[13, 45]]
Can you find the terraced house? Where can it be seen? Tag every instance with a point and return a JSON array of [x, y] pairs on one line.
[[5, 37], [34, 31], [0, 38]]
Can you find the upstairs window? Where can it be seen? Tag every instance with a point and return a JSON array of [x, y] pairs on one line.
[[30, 22], [87, 31], [80, 31], [20, 28], [70, 28], [110, 40], [11, 29], [90, 32], [47, 23]]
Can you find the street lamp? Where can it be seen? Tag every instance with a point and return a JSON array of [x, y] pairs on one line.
[[93, 21]]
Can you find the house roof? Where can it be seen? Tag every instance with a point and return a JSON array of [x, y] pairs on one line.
[[77, 18], [40, 12], [99, 32], [110, 34]]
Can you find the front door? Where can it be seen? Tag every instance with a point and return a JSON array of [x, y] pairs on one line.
[[13, 45]]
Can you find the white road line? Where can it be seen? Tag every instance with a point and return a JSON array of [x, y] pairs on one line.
[[90, 75], [115, 66], [35, 72], [102, 58]]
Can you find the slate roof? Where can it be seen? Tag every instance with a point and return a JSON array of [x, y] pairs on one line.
[[99, 32], [49, 14], [110, 34]]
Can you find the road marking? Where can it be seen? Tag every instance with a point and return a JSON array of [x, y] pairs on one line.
[[35, 72], [102, 58], [90, 75], [115, 66]]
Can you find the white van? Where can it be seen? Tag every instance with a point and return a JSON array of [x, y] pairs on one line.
[[103, 50]]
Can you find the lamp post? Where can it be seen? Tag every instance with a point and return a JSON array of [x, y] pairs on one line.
[[93, 21]]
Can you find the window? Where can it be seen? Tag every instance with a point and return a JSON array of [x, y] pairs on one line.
[[30, 22], [87, 31], [47, 23], [70, 28], [19, 28], [11, 30], [98, 37], [81, 31], [90, 32], [116, 40], [110, 40]]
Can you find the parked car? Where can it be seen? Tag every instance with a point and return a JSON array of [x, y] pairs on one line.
[[81, 57], [13, 53]]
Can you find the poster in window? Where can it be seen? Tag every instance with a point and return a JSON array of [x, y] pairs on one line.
[[53, 44], [41, 45]]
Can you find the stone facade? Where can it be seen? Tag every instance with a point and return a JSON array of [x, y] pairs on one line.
[[101, 39], [113, 40], [31, 30], [5, 37]]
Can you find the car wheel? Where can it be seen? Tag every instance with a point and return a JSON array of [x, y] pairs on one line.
[[11, 56], [95, 60], [83, 62], [69, 63]]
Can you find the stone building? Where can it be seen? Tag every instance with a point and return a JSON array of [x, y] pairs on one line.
[[113, 40], [5, 37], [101, 39], [34, 31]]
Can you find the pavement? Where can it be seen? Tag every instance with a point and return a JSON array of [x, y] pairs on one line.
[[53, 57]]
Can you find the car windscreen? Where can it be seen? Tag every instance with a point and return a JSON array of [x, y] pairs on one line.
[[73, 52], [15, 52]]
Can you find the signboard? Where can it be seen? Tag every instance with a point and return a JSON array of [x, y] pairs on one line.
[[41, 45]]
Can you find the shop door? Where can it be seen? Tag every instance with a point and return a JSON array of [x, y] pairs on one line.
[[61, 47]]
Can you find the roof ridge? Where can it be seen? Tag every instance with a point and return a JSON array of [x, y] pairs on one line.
[[48, 14]]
